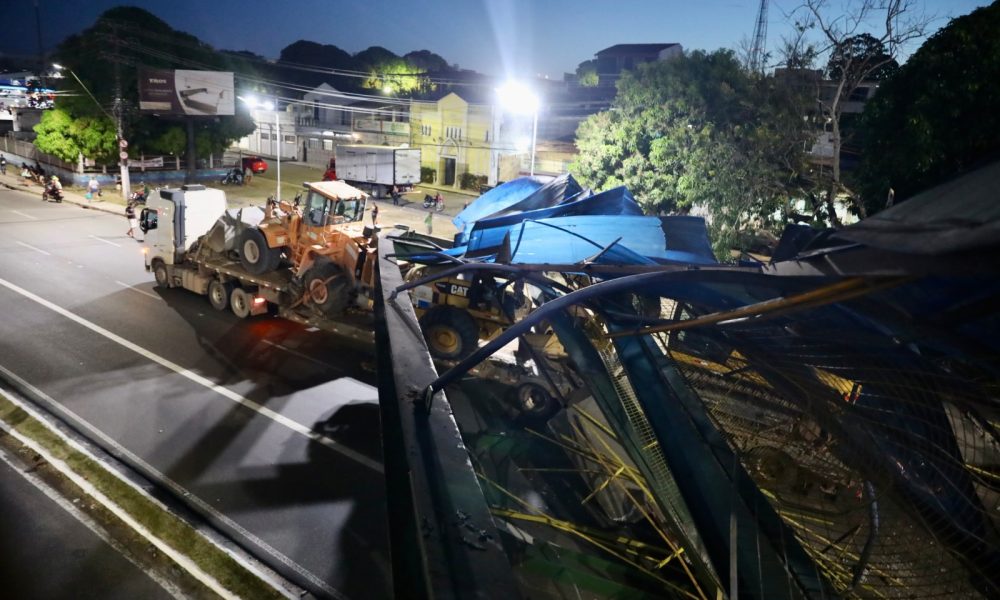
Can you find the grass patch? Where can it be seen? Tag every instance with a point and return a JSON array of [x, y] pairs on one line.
[[172, 530]]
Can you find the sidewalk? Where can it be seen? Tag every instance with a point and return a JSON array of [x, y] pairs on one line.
[[411, 213], [108, 203]]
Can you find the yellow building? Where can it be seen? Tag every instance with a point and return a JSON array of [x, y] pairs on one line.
[[454, 137]]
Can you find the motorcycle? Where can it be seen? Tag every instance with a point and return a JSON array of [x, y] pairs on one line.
[[137, 197], [432, 202], [53, 192], [235, 177]]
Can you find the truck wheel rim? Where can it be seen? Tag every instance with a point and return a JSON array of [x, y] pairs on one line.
[[251, 251], [218, 294]]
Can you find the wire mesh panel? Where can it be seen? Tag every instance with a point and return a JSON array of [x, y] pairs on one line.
[[874, 439]]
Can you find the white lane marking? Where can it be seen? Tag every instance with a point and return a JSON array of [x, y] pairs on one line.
[[30, 247], [298, 354], [111, 506], [147, 471], [25, 215], [203, 381], [134, 289], [106, 241], [89, 523]]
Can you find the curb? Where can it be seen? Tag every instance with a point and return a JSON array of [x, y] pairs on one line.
[[202, 562], [70, 198]]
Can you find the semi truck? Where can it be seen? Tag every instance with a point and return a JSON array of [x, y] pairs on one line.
[[194, 242], [375, 169]]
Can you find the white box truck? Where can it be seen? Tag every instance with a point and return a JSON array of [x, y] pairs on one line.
[[375, 169]]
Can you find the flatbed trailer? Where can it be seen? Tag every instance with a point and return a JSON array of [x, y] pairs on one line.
[[179, 255]]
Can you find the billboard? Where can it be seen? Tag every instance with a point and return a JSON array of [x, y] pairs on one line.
[[180, 92]]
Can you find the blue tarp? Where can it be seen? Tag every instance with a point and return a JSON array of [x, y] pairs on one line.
[[568, 240], [495, 200], [487, 234]]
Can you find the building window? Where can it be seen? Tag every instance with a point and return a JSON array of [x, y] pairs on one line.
[[454, 133], [289, 139], [425, 130], [486, 138], [265, 136]]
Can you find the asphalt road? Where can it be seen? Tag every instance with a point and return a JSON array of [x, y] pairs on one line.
[[269, 429], [48, 552]]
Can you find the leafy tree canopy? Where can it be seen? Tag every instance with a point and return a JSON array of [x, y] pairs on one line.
[[937, 116], [698, 132], [140, 38], [855, 54], [586, 73], [425, 60]]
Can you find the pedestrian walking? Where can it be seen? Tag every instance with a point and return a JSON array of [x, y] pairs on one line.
[[429, 221], [3, 165], [374, 214], [130, 215], [247, 175], [93, 188], [395, 195]]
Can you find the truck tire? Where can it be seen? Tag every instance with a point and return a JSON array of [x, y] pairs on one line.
[[255, 255], [160, 274], [219, 293], [326, 285], [451, 333], [239, 302]]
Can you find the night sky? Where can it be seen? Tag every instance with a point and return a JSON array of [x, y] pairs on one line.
[[515, 38]]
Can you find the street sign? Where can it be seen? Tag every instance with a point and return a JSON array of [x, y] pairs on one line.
[[122, 143], [123, 155]]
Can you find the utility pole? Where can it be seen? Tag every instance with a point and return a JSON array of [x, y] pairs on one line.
[[118, 111], [41, 51]]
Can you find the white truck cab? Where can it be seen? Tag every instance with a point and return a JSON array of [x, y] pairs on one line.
[[175, 218]]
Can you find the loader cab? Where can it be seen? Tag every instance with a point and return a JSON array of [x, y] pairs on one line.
[[322, 209]]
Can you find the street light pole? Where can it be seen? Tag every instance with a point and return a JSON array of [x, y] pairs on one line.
[[534, 134], [519, 99], [277, 131]]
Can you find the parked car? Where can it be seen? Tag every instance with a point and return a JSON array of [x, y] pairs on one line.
[[255, 164]]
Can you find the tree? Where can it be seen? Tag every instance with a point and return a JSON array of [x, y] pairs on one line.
[[586, 73], [860, 57], [140, 38], [937, 116], [425, 60], [856, 56], [60, 135], [698, 133]]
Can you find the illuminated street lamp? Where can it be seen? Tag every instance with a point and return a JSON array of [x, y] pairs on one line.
[[518, 98], [254, 102]]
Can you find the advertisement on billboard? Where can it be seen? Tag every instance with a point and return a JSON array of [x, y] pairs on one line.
[[181, 92]]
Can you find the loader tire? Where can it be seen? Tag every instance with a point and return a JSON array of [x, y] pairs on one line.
[[326, 285], [255, 255], [451, 332]]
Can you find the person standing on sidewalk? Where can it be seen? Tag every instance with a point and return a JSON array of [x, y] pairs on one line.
[[374, 214], [132, 223], [395, 195], [3, 165], [93, 188], [429, 221]]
